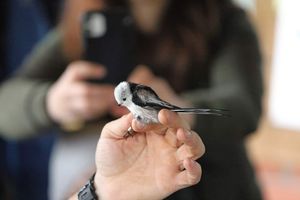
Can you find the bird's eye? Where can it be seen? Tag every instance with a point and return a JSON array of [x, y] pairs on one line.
[[124, 99]]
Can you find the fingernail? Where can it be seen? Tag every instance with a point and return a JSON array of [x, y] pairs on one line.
[[102, 72]]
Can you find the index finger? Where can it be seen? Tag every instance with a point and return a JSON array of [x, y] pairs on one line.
[[142, 127], [167, 119], [171, 119], [81, 70]]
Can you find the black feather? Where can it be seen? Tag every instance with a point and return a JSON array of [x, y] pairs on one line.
[[146, 97]]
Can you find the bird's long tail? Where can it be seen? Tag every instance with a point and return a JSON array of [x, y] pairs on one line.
[[203, 111]]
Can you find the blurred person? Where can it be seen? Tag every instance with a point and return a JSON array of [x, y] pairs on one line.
[[15, 96], [22, 24], [195, 53], [205, 54], [152, 164]]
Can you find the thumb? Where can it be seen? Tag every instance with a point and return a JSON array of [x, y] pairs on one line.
[[82, 70], [118, 128]]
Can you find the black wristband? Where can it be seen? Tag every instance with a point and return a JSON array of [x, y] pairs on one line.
[[87, 192]]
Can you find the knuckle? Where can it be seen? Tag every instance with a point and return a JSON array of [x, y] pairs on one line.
[[203, 150], [85, 105], [84, 91], [107, 126], [72, 70], [199, 152], [195, 178], [200, 147], [74, 66]]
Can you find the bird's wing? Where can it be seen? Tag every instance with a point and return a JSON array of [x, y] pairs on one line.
[[146, 97]]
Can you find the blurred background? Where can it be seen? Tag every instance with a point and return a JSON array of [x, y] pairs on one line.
[[274, 149]]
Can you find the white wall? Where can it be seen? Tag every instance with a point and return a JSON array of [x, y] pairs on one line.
[[247, 4], [284, 104]]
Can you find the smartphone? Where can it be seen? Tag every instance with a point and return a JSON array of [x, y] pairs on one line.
[[109, 38]]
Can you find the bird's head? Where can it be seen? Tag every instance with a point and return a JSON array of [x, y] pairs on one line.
[[123, 94]]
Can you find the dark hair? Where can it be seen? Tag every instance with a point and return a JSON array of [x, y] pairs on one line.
[[184, 43]]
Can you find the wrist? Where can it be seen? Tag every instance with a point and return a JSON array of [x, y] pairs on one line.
[[59, 115], [51, 104], [104, 191], [97, 186], [88, 192]]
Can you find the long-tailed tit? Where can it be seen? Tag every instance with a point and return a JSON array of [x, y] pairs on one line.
[[145, 104]]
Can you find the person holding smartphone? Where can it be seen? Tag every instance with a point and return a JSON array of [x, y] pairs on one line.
[[193, 53]]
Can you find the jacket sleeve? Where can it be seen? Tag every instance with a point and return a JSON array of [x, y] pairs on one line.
[[22, 97], [236, 84]]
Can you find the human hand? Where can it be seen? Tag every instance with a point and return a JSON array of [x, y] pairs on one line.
[[152, 164], [72, 98], [143, 75]]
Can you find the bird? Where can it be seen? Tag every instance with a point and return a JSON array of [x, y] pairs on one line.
[[143, 102]]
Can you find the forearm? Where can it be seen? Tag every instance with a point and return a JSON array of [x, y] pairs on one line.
[[73, 197], [23, 97], [47, 60], [23, 114]]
